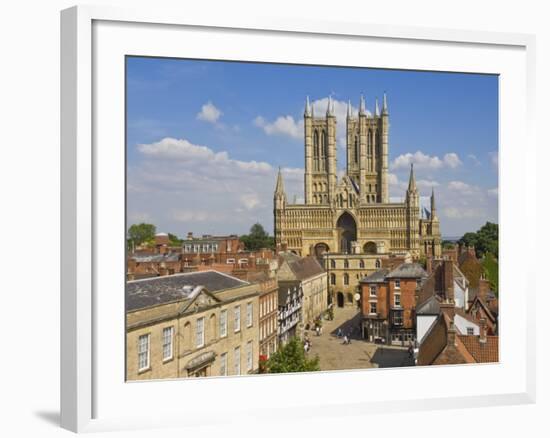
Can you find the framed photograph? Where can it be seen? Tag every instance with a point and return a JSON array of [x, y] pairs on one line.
[[249, 207]]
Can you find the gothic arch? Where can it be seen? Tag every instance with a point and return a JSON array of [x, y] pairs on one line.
[[320, 249], [369, 248], [347, 231]]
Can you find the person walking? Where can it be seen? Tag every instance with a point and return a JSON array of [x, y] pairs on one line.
[[339, 332]]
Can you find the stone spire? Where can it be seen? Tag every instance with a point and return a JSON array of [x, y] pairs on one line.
[[362, 110], [330, 107], [376, 108], [349, 109], [432, 206], [279, 187], [412, 181], [307, 111], [385, 105]]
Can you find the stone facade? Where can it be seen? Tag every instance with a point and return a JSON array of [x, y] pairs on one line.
[[203, 333], [352, 214]]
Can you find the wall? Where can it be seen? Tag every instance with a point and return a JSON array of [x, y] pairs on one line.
[[29, 86]]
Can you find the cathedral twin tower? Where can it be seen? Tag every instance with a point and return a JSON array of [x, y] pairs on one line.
[[366, 157], [353, 214]]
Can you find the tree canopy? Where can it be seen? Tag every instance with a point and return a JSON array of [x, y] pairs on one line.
[[485, 240], [257, 238], [174, 240], [141, 233], [291, 358]]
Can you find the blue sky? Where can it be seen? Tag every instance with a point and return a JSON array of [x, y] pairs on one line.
[[204, 139]]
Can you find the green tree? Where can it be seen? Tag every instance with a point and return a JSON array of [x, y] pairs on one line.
[[490, 268], [257, 238], [141, 233], [174, 240], [485, 240], [291, 358]]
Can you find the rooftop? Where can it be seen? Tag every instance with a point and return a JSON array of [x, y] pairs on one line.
[[376, 277], [408, 270], [162, 290]]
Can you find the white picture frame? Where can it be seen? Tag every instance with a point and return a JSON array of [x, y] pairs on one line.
[[93, 398]]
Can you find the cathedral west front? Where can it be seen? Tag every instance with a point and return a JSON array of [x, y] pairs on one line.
[[349, 221]]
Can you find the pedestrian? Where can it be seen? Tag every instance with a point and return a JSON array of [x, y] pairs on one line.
[[346, 342], [339, 333], [317, 330], [349, 337]]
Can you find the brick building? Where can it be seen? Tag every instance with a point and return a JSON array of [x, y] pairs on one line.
[[388, 300]]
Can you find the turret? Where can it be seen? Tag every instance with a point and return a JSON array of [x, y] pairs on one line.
[[362, 109], [279, 197], [384, 123], [307, 110], [308, 151], [412, 192], [376, 108], [385, 105], [433, 215]]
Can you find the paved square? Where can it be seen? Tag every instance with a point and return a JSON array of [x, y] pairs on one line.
[[335, 355]]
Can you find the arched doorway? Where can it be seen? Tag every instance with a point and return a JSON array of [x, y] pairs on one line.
[[347, 231], [320, 249], [340, 299], [369, 248]]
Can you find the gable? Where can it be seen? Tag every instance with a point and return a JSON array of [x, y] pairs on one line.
[[201, 300]]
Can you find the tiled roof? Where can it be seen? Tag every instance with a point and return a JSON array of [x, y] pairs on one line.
[[141, 258], [161, 290], [376, 277], [408, 270], [302, 267], [481, 351], [429, 306]]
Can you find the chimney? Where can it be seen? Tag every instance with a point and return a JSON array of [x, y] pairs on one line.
[[451, 334], [472, 251], [429, 264], [448, 280], [482, 330], [448, 308], [483, 289]]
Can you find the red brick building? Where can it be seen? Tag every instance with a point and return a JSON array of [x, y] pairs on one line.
[[388, 300]]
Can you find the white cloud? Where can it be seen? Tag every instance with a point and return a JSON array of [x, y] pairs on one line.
[[283, 125], [493, 192], [464, 213], [426, 184], [493, 155], [209, 113], [425, 161], [463, 188], [250, 200], [474, 159]]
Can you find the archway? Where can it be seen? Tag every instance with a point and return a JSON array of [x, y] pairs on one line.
[[369, 248], [347, 230], [320, 249], [340, 299]]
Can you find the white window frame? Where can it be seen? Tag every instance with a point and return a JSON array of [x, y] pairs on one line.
[[223, 323], [397, 297], [249, 357], [375, 308], [397, 284], [371, 289], [170, 344], [237, 360], [199, 341], [230, 261], [223, 364], [237, 319], [249, 315], [147, 352]]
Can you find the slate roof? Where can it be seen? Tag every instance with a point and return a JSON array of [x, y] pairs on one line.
[[429, 306], [140, 258], [481, 351], [408, 270], [162, 290], [376, 277], [302, 267]]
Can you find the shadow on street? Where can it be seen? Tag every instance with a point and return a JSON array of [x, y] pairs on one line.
[[351, 328], [389, 358]]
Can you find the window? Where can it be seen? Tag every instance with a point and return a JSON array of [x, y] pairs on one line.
[[398, 318], [469, 331], [223, 323], [196, 248], [249, 363], [362, 264], [397, 300], [346, 279], [398, 284], [378, 264], [237, 319], [418, 282], [223, 364], [214, 247], [333, 279], [230, 261], [205, 247], [373, 291], [167, 336], [199, 334], [373, 308], [237, 359], [249, 314], [143, 352], [333, 264], [346, 264]]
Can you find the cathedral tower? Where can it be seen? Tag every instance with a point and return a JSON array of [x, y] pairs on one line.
[[320, 155]]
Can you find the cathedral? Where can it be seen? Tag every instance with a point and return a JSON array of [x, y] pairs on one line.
[[353, 215]]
